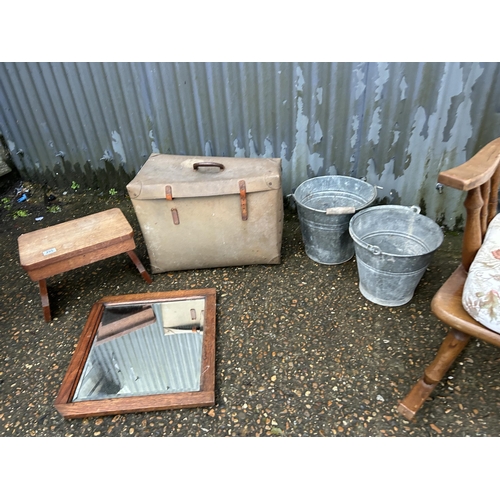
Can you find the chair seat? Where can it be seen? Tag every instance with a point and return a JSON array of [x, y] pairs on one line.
[[447, 306]]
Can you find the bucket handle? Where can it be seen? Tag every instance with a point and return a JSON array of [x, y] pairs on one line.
[[374, 249], [340, 210], [331, 210], [415, 209]]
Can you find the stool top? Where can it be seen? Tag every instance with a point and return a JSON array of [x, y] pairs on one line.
[[75, 237]]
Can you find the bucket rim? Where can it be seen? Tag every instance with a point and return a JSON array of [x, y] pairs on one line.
[[357, 209], [376, 250]]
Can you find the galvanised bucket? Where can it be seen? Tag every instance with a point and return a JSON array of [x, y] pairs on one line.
[[394, 246], [325, 206]]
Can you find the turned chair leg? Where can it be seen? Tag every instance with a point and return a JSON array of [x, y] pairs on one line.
[[139, 266], [451, 347], [45, 300]]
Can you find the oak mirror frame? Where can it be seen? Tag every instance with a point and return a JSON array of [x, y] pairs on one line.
[[143, 352]]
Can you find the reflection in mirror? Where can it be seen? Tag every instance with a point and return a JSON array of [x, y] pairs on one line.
[[143, 352], [145, 349]]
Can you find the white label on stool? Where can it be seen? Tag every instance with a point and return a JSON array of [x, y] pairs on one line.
[[49, 251]]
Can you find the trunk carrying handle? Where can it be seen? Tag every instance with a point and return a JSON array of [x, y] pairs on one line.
[[199, 164]]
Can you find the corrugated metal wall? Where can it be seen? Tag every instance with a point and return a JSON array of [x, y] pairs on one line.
[[145, 361], [397, 124]]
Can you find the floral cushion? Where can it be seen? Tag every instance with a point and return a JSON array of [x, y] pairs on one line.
[[481, 295]]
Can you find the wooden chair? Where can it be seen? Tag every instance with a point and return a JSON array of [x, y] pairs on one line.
[[480, 178]]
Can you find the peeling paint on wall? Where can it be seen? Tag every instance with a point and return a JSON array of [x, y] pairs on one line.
[[154, 147], [238, 151], [354, 126], [209, 150], [360, 86], [319, 95], [241, 152], [397, 124], [382, 79], [402, 87], [118, 147], [299, 82], [301, 153], [376, 125], [251, 145], [437, 141], [318, 133]]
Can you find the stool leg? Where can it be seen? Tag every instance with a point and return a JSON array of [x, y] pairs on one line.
[[139, 266], [45, 300]]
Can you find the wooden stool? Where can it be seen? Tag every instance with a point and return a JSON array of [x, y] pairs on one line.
[[73, 244]]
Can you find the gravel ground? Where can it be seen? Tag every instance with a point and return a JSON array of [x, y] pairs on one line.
[[299, 351]]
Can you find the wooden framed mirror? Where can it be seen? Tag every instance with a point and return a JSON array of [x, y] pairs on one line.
[[143, 352]]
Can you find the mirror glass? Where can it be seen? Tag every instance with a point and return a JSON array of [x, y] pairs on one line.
[[143, 352], [143, 349]]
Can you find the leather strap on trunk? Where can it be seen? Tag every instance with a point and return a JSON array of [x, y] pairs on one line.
[[169, 197], [243, 200]]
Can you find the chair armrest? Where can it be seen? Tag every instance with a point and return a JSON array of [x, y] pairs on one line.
[[474, 172]]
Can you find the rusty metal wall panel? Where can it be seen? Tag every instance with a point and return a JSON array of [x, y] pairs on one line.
[[397, 124]]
